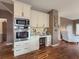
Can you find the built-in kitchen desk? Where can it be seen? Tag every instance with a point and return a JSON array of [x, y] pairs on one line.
[[44, 40]]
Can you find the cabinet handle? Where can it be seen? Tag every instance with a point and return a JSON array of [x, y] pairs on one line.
[[18, 50]]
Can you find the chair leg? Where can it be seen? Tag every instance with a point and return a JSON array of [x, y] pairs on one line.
[[77, 43]]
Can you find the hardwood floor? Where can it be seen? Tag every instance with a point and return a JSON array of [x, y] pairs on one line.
[[63, 51]]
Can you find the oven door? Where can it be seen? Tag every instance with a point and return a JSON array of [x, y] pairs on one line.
[[21, 36]]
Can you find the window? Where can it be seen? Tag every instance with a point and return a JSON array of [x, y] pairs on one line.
[[77, 29]]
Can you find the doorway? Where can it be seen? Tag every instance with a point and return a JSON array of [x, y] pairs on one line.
[[3, 30]]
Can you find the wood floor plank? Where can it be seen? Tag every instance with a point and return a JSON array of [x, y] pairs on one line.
[[63, 51]]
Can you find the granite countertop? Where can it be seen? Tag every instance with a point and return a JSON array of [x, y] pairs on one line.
[[41, 35]]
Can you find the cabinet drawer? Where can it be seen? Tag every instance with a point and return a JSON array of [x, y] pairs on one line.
[[18, 52], [26, 50], [21, 51], [21, 44], [18, 45]]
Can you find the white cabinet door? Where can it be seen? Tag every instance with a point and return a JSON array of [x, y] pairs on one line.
[[48, 40], [18, 9], [27, 11], [40, 19], [34, 18], [46, 20], [22, 10], [34, 43], [43, 19], [26, 47]]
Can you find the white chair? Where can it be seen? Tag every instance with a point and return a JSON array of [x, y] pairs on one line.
[[69, 37], [64, 35]]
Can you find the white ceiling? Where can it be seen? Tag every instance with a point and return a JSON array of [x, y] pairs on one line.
[[66, 8]]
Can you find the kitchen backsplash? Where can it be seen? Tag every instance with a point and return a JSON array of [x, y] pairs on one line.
[[38, 30]]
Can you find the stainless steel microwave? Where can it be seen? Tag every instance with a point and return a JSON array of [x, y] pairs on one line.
[[21, 21]]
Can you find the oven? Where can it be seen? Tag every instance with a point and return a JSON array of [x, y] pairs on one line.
[[21, 29], [22, 35]]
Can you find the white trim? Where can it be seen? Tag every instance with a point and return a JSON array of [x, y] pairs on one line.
[[9, 43], [55, 45]]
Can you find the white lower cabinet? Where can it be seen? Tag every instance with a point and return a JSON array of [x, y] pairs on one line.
[[34, 43], [27, 46], [24, 47], [20, 51], [48, 40], [21, 47]]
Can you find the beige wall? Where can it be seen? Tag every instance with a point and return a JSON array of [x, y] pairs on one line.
[[64, 22], [75, 21], [9, 17], [0, 27], [0, 31], [66, 25], [2, 20]]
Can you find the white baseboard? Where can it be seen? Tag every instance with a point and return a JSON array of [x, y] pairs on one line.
[[8, 43], [56, 45]]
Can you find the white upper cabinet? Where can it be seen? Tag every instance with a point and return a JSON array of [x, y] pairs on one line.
[[34, 18], [17, 9], [46, 19], [22, 10], [43, 19], [27, 11], [39, 19]]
